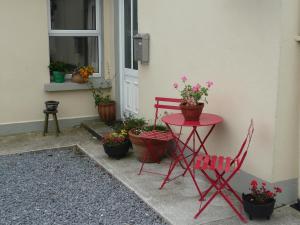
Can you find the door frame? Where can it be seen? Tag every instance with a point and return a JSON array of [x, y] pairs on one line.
[[121, 57]]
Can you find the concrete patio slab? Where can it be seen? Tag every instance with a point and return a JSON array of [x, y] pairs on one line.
[[177, 202]]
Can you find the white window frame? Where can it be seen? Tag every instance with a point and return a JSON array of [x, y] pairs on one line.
[[81, 33]]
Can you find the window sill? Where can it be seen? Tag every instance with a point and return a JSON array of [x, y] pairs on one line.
[[68, 85]]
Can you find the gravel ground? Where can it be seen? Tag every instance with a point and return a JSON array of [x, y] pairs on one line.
[[66, 187]]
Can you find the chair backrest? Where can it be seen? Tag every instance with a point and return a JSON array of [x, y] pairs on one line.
[[165, 103], [242, 153]]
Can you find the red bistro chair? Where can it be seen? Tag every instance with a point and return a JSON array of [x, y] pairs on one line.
[[148, 137], [222, 165]]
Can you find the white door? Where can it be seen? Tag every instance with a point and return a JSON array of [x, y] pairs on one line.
[[128, 66]]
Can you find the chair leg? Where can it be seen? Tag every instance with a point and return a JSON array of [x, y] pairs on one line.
[[228, 200], [46, 124], [56, 123]]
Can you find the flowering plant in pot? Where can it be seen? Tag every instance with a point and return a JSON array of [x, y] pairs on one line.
[[260, 202], [81, 74], [192, 98], [140, 147], [116, 144], [106, 106]]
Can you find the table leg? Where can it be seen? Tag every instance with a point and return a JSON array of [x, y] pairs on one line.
[[201, 145], [184, 159]]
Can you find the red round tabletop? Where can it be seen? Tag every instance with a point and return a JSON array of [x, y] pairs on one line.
[[206, 119]]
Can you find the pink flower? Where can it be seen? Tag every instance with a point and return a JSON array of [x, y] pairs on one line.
[[264, 184], [254, 183], [195, 88], [184, 78], [198, 86], [175, 85], [209, 84]]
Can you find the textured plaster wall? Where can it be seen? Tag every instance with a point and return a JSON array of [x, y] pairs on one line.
[[235, 43], [24, 59]]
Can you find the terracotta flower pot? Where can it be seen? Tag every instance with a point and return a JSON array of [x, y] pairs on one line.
[[255, 210], [76, 78], [141, 152], [107, 112], [191, 113]]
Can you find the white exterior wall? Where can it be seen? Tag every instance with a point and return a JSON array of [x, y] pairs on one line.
[[24, 58], [238, 44]]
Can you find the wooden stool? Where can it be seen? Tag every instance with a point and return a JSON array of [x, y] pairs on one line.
[[47, 112]]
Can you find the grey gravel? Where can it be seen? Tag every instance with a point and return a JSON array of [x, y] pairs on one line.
[[66, 187]]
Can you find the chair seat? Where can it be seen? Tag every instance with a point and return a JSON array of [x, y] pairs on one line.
[[157, 135], [220, 163]]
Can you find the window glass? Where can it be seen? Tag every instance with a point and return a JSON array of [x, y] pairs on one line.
[[135, 28], [76, 51], [127, 35], [73, 14]]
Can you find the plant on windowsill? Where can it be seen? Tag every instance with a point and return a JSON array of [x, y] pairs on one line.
[[82, 74], [192, 98], [58, 70], [261, 201], [106, 106], [116, 144]]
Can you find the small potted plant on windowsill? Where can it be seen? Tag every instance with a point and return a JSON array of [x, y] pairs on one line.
[[116, 144], [193, 98], [82, 74], [58, 71], [106, 106], [261, 201]]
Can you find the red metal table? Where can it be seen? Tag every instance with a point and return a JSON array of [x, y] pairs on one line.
[[206, 120]]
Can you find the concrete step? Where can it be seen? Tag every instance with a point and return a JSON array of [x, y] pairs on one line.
[[97, 128]]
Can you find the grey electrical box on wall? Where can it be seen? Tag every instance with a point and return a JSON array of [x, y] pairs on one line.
[[141, 47]]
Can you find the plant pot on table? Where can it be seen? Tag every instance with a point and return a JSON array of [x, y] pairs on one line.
[[257, 210], [51, 105], [117, 151], [192, 112]]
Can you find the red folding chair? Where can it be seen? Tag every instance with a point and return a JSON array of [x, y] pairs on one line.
[[159, 136], [221, 166]]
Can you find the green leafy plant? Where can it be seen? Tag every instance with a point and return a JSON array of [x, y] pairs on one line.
[[130, 122], [261, 195], [58, 66], [99, 97]]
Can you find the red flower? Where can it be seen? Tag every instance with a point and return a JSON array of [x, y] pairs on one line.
[[278, 189], [254, 183], [264, 184], [270, 194]]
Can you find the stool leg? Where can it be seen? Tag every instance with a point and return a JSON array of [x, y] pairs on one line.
[[56, 123], [46, 124]]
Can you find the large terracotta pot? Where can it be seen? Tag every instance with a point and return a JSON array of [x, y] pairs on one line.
[[191, 113], [141, 152], [107, 112]]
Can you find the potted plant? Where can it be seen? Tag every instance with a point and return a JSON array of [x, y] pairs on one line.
[[260, 202], [81, 74], [192, 99], [140, 148], [58, 71], [106, 106], [116, 144]]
